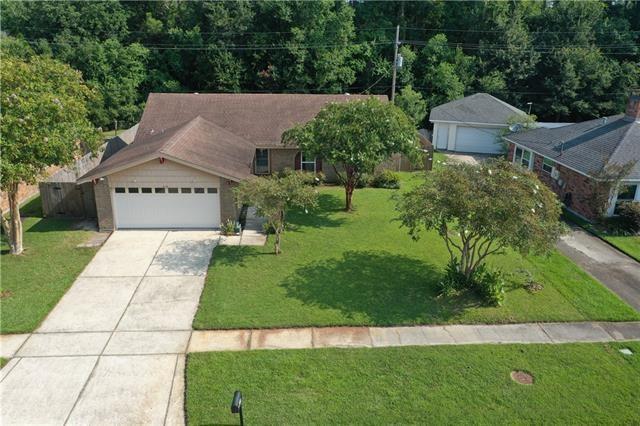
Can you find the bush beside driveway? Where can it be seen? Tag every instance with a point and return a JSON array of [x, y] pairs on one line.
[[360, 268], [33, 282]]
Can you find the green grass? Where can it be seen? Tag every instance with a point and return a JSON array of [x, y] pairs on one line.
[[32, 208], [3, 362], [361, 268], [573, 384], [629, 244], [33, 282]]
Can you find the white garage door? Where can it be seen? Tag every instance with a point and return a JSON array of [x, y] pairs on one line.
[[166, 207], [478, 139]]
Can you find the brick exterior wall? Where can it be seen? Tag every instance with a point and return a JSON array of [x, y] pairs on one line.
[[104, 210], [228, 207], [575, 192]]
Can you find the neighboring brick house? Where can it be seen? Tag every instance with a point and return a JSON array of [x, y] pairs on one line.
[[190, 150], [572, 158]]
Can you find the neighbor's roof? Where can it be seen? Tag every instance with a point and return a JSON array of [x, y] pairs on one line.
[[588, 146], [197, 142], [478, 108], [217, 132]]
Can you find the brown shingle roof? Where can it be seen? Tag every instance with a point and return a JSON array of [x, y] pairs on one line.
[[258, 118], [197, 142], [216, 132]]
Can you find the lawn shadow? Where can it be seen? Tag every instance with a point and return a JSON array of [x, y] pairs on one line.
[[237, 255], [387, 288], [320, 217]]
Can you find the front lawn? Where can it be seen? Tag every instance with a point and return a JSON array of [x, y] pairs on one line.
[[628, 244], [573, 384], [360, 268], [33, 282]]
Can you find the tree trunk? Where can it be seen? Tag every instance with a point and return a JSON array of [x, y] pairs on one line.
[[15, 224], [349, 186], [276, 246]]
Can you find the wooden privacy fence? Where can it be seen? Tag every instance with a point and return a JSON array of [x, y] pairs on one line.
[[61, 196]]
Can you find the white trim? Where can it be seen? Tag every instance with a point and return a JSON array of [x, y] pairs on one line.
[[531, 157], [472, 123], [119, 169], [613, 200], [202, 169]]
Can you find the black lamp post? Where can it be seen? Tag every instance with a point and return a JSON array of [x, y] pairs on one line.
[[236, 405]]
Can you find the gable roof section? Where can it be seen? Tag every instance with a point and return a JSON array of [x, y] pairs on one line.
[[197, 142], [477, 108], [589, 146], [258, 118]]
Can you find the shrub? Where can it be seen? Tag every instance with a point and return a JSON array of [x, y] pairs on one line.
[[229, 227], [312, 179], [386, 179], [490, 284], [630, 216], [364, 180], [453, 280]]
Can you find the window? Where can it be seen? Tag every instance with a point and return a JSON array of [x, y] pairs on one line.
[[160, 191], [307, 163], [120, 190], [548, 165], [133, 190], [262, 161], [185, 190], [146, 190], [172, 190], [626, 193], [212, 190], [522, 157], [198, 190]]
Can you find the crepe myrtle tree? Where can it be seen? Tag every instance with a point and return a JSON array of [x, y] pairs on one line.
[[356, 136], [274, 195], [480, 210], [43, 123]]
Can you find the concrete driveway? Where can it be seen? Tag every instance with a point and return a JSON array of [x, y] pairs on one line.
[[113, 349], [614, 269]]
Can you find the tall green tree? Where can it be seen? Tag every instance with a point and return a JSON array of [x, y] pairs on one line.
[[472, 209], [354, 137], [44, 122]]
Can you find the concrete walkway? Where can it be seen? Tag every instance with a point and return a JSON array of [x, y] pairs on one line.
[[113, 350], [252, 235], [614, 269], [373, 337]]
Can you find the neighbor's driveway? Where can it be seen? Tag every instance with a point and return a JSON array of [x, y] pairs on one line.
[[112, 350], [614, 269]]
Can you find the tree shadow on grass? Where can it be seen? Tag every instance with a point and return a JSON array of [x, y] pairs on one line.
[[386, 288], [238, 255], [322, 216]]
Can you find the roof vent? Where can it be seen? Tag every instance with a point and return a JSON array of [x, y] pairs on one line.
[[604, 120]]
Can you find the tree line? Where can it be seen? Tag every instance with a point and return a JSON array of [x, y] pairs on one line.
[[571, 60]]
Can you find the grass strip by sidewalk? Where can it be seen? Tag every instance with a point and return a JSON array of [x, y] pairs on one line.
[[573, 384]]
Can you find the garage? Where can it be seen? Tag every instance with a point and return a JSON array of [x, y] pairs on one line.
[[165, 194], [482, 140], [166, 207]]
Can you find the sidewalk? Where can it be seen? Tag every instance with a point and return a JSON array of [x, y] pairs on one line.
[[373, 337]]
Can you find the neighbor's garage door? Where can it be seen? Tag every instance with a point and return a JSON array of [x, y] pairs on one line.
[[166, 207], [478, 139]]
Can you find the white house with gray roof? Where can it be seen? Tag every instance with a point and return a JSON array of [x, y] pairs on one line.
[[472, 124]]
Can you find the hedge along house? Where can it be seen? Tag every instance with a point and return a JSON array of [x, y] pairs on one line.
[[190, 150], [573, 159]]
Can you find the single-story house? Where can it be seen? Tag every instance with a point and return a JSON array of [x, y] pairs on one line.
[[472, 124], [190, 150], [568, 159]]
